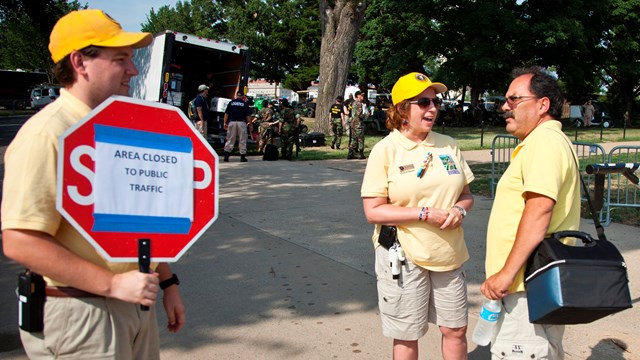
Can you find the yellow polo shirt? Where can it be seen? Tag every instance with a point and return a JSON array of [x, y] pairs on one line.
[[543, 163], [29, 189], [392, 173]]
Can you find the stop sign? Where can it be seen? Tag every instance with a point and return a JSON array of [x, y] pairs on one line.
[[135, 169]]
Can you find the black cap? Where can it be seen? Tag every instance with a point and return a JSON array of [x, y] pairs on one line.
[[339, 98], [357, 93], [239, 93]]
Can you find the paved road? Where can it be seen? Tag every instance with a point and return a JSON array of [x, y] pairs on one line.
[[287, 272]]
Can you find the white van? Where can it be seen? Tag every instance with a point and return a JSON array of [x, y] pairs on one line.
[[44, 94], [601, 116]]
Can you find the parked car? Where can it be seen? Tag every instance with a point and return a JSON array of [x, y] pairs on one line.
[[44, 94]]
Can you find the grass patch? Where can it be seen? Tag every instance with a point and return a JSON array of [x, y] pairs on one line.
[[481, 185]]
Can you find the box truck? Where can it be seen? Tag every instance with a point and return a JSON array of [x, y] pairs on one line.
[[175, 64]]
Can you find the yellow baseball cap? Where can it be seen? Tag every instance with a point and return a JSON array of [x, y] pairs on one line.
[[411, 85], [82, 28]]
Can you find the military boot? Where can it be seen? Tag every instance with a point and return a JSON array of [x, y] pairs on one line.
[[226, 156], [243, 158]]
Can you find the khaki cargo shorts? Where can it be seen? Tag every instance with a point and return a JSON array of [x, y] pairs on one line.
[[423, 296], [516, 338]]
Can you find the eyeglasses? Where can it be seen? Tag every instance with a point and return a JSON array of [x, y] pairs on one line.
[[511, 100], [425, 102]]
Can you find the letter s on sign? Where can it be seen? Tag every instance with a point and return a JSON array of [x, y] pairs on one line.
[[84, 171]]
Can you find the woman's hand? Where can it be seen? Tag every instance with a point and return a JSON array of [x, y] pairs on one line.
[[453, 220], [445, 219]]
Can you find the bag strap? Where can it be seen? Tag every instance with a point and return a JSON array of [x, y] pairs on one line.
[[596, 222]]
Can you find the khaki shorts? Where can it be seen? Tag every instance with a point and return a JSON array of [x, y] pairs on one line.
[[423, 296], [94, 328], [516, 338]]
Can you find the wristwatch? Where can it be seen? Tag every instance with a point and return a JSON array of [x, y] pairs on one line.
[[461, 209], [173, 280]]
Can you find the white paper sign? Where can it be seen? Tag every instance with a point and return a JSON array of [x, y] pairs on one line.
[[143, 181]]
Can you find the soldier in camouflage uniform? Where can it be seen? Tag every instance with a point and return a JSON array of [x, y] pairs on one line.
[[336, 123], [288, 129], [266, 117], [356, 135]]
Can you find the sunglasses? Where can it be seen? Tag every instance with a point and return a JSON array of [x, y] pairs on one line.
[[425, 102], [511, 100]]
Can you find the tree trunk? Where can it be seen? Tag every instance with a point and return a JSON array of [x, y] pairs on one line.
[[340, 25]]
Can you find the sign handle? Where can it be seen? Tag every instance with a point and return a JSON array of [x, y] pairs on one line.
[[144, 260]]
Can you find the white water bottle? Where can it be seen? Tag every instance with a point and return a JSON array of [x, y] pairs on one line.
[[483, 332]]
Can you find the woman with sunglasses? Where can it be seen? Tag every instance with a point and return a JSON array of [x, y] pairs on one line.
[[418, 181]]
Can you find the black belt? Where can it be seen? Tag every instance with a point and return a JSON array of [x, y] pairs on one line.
[[55, 291], [237, 120]]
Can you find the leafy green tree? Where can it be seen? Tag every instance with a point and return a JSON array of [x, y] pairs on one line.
[[567, 40], [392, 41], [478, 41], [24, 32], [621, 48], [282, 35], [198, 17]]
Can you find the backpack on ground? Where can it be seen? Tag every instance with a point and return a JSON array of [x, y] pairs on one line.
[[270, 153]]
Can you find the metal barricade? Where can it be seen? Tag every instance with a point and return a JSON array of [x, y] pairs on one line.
[[501, 148], [588, 153], [620, 191]]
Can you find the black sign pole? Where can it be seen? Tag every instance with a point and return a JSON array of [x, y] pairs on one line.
[[144, 260]]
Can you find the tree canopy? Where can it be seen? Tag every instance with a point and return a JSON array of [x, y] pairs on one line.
[[24, 32], [591, 44]]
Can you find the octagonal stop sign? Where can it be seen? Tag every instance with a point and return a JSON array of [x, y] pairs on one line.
[[132, 170]]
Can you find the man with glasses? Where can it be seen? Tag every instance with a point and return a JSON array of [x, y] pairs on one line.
[[538, 194]]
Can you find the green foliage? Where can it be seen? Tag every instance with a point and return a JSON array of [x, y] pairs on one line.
[[621, 44], [24, 32], [198, 17], [392, 39], [283, 36], [591, 44]]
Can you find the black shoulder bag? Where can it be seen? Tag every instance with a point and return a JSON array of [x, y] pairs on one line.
[[576, 284]]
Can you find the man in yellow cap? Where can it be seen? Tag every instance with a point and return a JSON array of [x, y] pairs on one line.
[[92, 308]]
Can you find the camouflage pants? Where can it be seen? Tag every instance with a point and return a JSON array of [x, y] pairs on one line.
[[336, 128], [266, 136], [356, 140], [287, 140]]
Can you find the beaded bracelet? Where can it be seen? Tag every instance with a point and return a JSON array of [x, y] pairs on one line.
[[424, 212]]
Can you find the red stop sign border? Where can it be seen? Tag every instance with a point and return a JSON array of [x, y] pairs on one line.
[[135, 114]]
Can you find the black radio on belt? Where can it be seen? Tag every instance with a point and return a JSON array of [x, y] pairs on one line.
[[388, 236], [31, 301]]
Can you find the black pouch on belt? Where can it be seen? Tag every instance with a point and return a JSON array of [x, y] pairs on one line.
[[388, 236], [31, 301]]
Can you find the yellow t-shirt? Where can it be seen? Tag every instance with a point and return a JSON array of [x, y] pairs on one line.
[[392, 173], [29, 189], [544, 163]]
